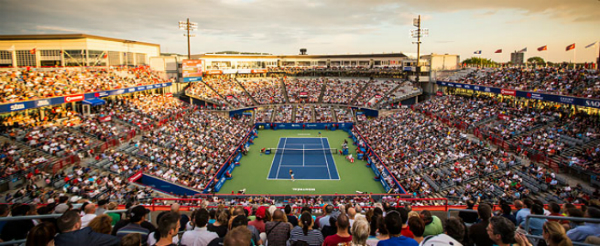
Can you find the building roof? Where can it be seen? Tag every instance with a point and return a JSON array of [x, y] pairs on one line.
[[346, 56], [67, 36]]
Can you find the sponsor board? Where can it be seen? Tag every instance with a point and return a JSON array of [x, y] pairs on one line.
[[74, 98]]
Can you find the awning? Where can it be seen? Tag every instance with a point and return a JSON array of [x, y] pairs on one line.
[[94, 101]]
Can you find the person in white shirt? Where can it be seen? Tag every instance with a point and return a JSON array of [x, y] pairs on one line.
[[200, 236], [90, 214]]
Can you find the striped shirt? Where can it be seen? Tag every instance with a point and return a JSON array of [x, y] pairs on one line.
[[133, 228], [313, 237]]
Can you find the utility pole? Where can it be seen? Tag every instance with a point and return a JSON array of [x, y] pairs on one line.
[[188, 26], [418, 34]]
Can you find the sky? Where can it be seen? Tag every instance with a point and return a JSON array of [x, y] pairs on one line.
[[325, 26]]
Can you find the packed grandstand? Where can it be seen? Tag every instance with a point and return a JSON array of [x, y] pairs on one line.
[[494, 155]]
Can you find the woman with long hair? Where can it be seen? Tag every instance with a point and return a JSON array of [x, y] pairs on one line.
[[305, 232], [553, 232]]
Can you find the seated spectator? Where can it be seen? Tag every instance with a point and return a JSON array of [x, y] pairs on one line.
[[168, 227], [393, 224], [417, 227], [41, 235], [90, 214], [454, 234], [133, 239], [291, 218], [240, 235], [553, 233], [580, 233], [115, 216], [200, 235], [17, 229], [69, 225], [405, 228], [535, 224], [305, 232], [433, 224], [469, 218], [360, 231], [485, 213], [220, 226], [278, 230], [138, 216], [129, 214], [342, 235], [101, 224], [501, 231]]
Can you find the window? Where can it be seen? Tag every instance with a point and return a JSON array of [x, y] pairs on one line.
[[114, 58], [96, 58], [128, 56], [5, 58], [25, 58], [75, 58], [50, 58], [140, 59]]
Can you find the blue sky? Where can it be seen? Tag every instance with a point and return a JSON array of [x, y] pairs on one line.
[[325, 26]]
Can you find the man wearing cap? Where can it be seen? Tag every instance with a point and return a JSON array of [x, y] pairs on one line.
[[138, 215], [259, 222]]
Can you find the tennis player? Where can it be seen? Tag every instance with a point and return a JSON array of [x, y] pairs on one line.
[[292, 174]]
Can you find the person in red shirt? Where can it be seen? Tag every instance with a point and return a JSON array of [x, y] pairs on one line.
[[342, 237], [405, 229]]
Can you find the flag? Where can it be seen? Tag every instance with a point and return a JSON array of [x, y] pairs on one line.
[[32, 51], [545, 47], [523, 50], [498, 51], [591, 45], [105, 56], [570, 47], [477, 52]]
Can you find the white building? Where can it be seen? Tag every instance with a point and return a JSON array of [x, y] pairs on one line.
[[71, 50]]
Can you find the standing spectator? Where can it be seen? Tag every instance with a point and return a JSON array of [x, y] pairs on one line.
[[138, 216], [393, 224], [168, 227], [342, 235], [41, 235], [580, 233], [290, 216], [360, 232], [72, 235], [469, 218], [417, 227], [90, 213], [501, 231], [485, 213], [278, 230], [433, 224], [101, 224], [200, 236], [305, 232]]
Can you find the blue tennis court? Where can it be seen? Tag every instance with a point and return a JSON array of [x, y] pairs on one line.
[[308, 158]]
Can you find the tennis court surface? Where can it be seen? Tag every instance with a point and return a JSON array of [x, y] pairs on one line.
[[308, 158]]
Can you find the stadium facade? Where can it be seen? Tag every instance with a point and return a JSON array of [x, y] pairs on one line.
[[73, 50]]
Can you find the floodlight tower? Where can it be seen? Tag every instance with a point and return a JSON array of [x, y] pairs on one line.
[[188, 26], [418, 34]]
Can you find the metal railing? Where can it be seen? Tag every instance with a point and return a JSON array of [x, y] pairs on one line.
[[575, 219], [28, 217]]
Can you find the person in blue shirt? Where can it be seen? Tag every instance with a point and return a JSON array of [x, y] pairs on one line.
[[522, 214], [393, 224], [535, 224], [580, 233]]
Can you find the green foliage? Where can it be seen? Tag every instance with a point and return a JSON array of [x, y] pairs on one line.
[[479, 61], [536, 60]]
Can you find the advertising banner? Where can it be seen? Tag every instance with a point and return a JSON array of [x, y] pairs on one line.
[[192, 70]]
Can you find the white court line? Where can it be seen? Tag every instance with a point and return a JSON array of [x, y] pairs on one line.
[[305, 179], [304, 166], [273, 162], [303, 155], [336, 169], [281, 158], [325, 155]]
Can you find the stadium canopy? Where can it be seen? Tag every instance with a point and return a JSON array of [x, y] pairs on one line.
[[94, 101]]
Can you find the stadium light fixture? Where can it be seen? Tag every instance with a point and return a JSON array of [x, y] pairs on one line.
[[418, 34], [188, 26]]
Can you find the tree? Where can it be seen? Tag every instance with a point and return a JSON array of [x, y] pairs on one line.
[[536, 60], [477, 61]]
